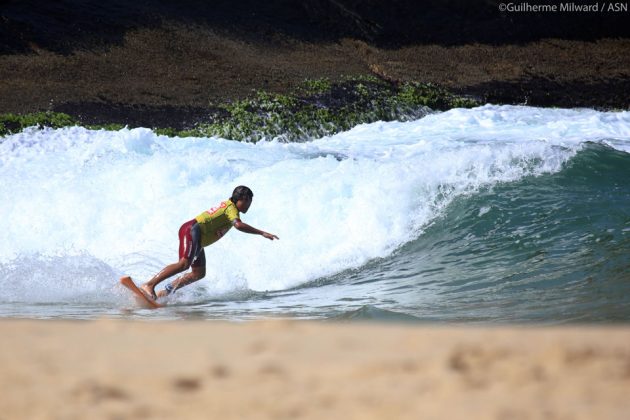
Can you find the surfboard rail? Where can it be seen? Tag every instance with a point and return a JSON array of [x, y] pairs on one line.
[[142, 298]]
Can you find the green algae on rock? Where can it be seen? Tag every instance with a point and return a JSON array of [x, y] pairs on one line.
[[316, 108], [320, 108]]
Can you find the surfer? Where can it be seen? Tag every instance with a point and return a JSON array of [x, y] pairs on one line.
[[204, 230]]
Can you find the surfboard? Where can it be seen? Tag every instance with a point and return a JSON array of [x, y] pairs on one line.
[[141, 297]]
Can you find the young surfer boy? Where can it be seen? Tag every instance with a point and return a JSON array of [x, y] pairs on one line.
[[203, 230]]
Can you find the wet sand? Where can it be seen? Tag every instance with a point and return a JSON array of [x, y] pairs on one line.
[[293, 370]]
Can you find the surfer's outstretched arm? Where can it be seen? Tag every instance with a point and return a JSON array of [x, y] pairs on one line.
[[244, 227]]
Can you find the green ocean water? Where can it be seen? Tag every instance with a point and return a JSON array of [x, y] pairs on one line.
[[552, 248]]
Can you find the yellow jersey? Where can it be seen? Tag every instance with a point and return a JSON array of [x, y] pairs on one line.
[[215, 223]]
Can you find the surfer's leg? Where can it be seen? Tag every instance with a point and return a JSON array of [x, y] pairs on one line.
[[189, 247], [196, 274], [168, 271]]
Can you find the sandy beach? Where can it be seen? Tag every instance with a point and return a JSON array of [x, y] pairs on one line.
[[289, 370]]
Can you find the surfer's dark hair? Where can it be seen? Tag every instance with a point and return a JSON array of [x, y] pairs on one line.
[[240, 193]]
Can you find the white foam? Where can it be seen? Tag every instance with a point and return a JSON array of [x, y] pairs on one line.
[[337, 202]]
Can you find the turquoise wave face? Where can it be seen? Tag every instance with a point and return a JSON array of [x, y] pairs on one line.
[[550, 248]]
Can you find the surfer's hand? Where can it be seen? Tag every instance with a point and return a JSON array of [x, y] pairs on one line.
[[269, 236]]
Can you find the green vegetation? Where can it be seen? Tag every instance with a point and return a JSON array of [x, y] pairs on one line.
[[317, 108], [12, 123], [321, 107], [315, 86], [109, 127], [433, 96]]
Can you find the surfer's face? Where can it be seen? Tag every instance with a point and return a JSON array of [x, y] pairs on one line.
[[243, 204]]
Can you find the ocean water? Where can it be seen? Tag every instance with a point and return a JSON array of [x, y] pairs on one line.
[[498, 214]]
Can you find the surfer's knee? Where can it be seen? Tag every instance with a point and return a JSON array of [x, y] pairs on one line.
[[183, 264], [198, 273]]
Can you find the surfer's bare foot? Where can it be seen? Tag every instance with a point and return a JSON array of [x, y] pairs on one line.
[[149, 291]]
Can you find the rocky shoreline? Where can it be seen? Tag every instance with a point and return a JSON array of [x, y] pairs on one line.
[[160, 66], [316, 108]]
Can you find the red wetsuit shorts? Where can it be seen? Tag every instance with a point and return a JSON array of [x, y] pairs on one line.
[[190, 244]]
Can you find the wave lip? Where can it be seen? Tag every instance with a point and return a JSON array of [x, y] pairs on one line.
[[550, 248]]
